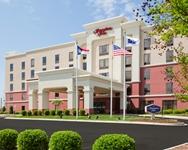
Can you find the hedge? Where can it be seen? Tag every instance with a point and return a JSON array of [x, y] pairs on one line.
[[179, 111], [8, 138], [114, 142], [29, 113], [32, 140], [47, 112], [67, 112], [168, 111], [35, 112], [82, 112], [24, 113], [52, 112], [65, 140], [59, 112]]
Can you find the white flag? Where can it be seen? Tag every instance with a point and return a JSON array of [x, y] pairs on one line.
[[131, 41]]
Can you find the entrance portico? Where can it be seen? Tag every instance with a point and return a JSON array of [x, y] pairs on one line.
[[90, 88]]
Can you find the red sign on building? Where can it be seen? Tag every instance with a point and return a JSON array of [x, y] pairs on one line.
[[102, 31]]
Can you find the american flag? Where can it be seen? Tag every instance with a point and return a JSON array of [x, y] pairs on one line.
[[119, 51]]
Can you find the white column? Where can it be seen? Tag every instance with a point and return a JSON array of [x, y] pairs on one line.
[[33, 100], [43, 100], [88, 98], [71, 98]]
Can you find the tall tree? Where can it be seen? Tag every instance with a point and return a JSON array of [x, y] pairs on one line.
[[169, 19]]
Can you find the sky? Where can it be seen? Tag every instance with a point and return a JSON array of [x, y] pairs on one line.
[[30, 24]]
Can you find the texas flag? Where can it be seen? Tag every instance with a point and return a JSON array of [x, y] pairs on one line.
[[81, 50]]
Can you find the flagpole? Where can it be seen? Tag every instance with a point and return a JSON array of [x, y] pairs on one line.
[[76, 83], [124, 85], [111, 90]]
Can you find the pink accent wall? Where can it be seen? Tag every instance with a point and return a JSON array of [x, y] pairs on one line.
[[135, 102], [135, 88], [17, 106]]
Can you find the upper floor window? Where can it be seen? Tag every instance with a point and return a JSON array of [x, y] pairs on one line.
[[103, 50], [56, 67], [56, 95], [44, 61], [32, 62], [146, 59], [147, 43], [43, 69], [23, 86], [32, 73], [23, 75], [70, 56], [128, 61], [57, 59], [84, 66], [129, 49], [106, 74], [11, 67], [11, 77], [84, 56], [127, 75], [146, 74], [146, 89], [71, 65], [11, 87], [169, 55], [169, 87], [103, 63], [23, 65]]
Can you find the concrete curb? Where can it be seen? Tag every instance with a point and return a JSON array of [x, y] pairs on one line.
[[177, 146], [167, 116], [100, 121]]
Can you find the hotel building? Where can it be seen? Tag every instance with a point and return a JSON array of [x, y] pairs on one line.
[[37, 77]]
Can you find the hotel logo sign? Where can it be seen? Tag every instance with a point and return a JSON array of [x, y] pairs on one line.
[[102, 31]]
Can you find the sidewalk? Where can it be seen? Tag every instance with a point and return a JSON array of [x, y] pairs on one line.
[[101, 121], [167, 116]]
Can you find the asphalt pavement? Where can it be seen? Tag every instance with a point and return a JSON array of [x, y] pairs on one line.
[[147, 137]]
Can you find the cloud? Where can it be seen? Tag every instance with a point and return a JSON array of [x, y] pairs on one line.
[[110, 8]]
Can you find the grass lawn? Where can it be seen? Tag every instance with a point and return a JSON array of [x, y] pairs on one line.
[[103, 117]]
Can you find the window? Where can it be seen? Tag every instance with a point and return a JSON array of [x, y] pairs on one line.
[[169, 55], [146, 74], [23, 96], [147, 43], [169, 87], [169, 104], [149, 102], [32, 62], [11, 97], [23, 86], [84, 66], [70, 56], [56, 95], [71, 65], [23, 75], [103, 63], [106, 74], [11, 77], [56, 67], [103, 50], [129, 49], [128, 60], [32, 73], [43, 69], [11, 67], [44, 60], [129, 91], [146, 59], [84, 56], [127, 75], [11, 87], [146, 89], [57, 59], [23, 65], [23, 108]]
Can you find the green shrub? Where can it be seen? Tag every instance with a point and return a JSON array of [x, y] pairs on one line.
[[11, 110], [74, 112], [52, 112], [8, 139], [67, 112], [114, 142], [35, 113], [47, 113], [24, 113], [59, 112], [4, 109], [40, 113], [168, 111], [179, 111], [65, 140], [82, 112], [32, 140], [29, 113]]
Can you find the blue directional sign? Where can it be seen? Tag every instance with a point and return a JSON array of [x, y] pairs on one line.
[[152, 108]]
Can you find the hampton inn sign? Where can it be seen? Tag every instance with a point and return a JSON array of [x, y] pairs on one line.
[[102, 31]]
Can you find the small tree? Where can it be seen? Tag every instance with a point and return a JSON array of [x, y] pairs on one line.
[[56, 103], [4, 109], [11, 110]]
